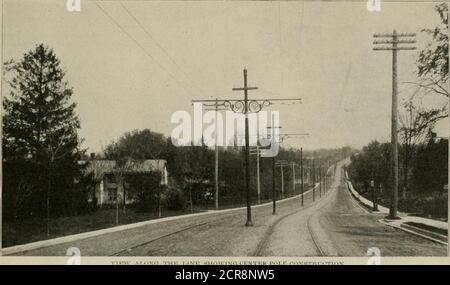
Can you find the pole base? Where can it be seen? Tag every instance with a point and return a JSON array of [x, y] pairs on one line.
[[389, 217], [249, 224]]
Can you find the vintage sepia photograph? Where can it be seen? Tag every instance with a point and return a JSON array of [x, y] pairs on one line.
[[224, 129]]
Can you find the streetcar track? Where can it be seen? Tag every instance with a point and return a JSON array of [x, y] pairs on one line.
[[261, 245], [158, 238], [266, 238], [313, 238], [311, 232], [185, 229], [264, 241], [130, 248]]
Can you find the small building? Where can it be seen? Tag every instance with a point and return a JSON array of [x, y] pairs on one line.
[[106, 173]]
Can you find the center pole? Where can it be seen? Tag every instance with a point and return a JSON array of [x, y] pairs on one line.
[[216, 165], [249, 222], [274, 197], [247, 148]]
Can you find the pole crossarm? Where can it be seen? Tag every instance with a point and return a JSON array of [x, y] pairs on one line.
[[238, 106], [215, 109], [398, 41], [388, 35], [244, 88], [395, 39], [397, 48], [282, 137], [255, 151], [281, 162]]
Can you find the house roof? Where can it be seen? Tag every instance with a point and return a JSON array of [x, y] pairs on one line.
[[101, 167]]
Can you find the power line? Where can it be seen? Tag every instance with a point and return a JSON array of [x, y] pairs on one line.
[[142, 47], [157, 43]]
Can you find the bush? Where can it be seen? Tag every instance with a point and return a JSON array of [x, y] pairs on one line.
[[411, 204], [175, 199], [435, 206]]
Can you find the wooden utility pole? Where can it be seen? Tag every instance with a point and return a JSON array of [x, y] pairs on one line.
[[274, 193], [314, 180], [293, 177], [258, 183], [216, 164], [117, 205], [282, 164], [216, 109], [393, 45], [320, 182], [257, 152], [190, 199], [301, 171], [282, 181]]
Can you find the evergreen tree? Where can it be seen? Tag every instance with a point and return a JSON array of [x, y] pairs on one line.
[[40, 130]]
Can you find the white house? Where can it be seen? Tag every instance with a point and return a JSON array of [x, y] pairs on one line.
[[106, 173]]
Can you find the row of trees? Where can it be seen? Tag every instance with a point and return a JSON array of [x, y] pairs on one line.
[[422, 180], [425, 174], [191, 168]]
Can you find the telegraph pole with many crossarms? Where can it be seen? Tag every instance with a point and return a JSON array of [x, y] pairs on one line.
[[392, 44]]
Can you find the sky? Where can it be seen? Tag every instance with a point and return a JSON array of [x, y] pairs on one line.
[[129, 74]]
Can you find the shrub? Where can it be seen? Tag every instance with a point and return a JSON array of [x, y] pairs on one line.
[[175, 199], [435, 206]]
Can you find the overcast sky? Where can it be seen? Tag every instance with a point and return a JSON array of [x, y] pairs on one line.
[[321, 52]]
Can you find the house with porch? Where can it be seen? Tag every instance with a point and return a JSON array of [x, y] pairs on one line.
[[108, 185]]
